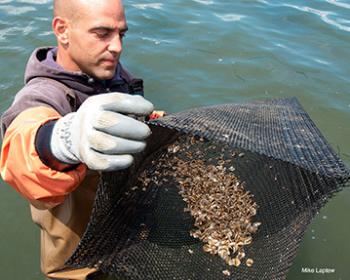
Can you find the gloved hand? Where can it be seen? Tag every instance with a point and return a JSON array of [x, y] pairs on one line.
[[99, 134]]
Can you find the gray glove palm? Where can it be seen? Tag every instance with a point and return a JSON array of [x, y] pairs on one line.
[[99, 134]]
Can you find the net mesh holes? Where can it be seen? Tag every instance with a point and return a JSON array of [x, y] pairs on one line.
[[282, 166]]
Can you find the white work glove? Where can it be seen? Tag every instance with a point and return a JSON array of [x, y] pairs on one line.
[[99, 134]]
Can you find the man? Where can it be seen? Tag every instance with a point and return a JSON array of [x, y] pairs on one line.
[[71, 120]]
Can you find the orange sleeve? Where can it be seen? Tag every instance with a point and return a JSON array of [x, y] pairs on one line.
[[21, 167]]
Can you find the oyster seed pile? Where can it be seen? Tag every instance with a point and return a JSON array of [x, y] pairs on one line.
[[221, 207]]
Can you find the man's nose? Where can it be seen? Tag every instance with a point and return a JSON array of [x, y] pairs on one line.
[[116, 44]]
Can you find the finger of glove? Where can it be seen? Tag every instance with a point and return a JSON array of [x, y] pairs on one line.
[[124, 103], [101, 162], [108, 144], [121, 126]]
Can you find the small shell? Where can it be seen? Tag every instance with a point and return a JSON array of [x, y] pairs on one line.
[[236, 262], [241, 255], [223, 253], [231, 168], [248, 240], [226, 272], [249, 262], [176, 149], [252, 211], [207, 248]]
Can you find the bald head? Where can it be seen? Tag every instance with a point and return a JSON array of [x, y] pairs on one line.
[[62, 7], [72, 10], [66, 9]]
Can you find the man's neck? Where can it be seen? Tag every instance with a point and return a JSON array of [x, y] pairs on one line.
[[62, 59]]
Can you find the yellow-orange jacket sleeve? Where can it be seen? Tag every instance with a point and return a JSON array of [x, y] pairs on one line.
[[21, 167]]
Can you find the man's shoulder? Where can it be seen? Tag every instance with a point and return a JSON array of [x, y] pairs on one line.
[[36, 93], [46, 82], [42, 88]]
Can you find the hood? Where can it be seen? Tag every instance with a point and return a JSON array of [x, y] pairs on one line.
[[42, 63]]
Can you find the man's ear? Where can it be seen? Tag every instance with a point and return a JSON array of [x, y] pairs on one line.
[[60, 28]]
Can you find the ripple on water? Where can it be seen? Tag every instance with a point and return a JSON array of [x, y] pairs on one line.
[[263, 1], [6, 33], [12, 10], [5, 86], [345, 21], [230, 17], [324, 15], [205, 2], [9, 31], [29, 29], [14, 49], [157, 6], [300, 57], [321, 61], [45, 33], [42, 19], [35, 1], [339, 4], [337, 23], [157, 41], [193, 22]]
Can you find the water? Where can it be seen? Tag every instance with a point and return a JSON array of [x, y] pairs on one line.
[[202, 52]]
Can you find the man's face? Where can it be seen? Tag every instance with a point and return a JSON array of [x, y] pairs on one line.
[[95, 38]]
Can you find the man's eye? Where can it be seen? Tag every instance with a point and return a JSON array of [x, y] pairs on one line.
[[102, 34]]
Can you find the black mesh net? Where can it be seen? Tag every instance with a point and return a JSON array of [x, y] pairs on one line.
[[221, 192]]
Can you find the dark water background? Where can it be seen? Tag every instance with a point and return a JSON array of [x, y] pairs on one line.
[[202, 52]]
